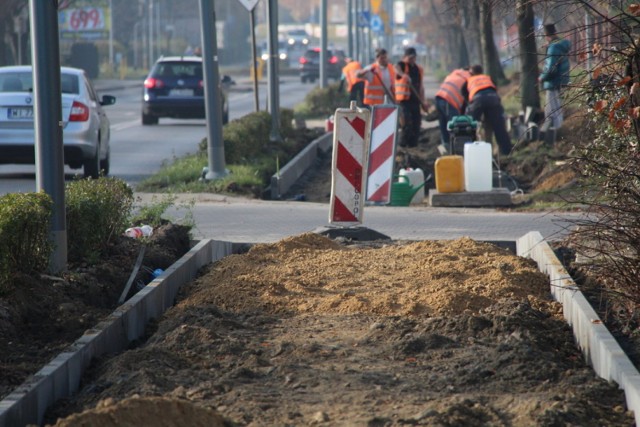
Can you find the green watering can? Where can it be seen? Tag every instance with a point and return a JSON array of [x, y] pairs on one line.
[[402, 191]]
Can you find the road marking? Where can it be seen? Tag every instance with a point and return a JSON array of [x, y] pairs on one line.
[[125, 125]]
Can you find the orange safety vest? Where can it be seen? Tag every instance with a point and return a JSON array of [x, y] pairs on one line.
[[403, 86], [349, 72], [451, 89], [374, 90], [478, 83]]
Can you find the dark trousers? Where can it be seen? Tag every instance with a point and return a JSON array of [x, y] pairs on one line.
[[486, 106], [411, 122], [357, 93], [446, 112]]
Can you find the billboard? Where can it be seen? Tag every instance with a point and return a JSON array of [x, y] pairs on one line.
[[85, 23]]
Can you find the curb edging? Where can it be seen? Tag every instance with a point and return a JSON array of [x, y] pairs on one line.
[[61, 377], [600, 349]]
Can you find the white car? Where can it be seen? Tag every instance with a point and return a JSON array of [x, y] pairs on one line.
[[85, 130]]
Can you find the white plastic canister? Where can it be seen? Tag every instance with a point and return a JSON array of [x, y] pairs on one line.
[[416, 177], [478, 175]]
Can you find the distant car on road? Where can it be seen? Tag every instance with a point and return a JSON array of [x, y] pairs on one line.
[[85, 126], [175, 88], [310, 64], [283, 53], [297, 37]]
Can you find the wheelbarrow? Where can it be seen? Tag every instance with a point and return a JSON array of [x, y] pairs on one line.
[[402, 191]]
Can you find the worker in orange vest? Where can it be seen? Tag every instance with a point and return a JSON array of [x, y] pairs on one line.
[[485, 105], [409, 92], [355, 85], [450, 101], [379, 80]]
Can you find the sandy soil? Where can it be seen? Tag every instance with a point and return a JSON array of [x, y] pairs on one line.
[[312, 331]]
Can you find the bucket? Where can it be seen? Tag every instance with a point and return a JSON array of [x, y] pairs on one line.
[[478, 175], [328, 124], [449, 174], [416, 177]]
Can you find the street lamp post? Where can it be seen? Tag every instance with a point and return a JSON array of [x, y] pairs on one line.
[[150, 38], [111, 35]]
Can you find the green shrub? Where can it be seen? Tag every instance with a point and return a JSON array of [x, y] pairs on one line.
[[24, 233], [323, 102], [247, 138], [97, 211]]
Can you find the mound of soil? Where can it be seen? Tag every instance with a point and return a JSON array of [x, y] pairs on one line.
[[312, 331]]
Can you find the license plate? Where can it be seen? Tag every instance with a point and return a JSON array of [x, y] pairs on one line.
[[181, 92], [20, 113]]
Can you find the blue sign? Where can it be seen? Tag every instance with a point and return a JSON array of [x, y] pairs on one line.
[[363, 19], [377, 26]]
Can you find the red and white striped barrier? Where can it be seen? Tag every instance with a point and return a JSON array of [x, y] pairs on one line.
[[351, 136], [382, 157]]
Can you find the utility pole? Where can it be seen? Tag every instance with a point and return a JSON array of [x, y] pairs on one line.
[[254, 61], [213, 111], [45, 55], [111, 35], [323, 43], [274, 58], [350, 27], [150, 21]]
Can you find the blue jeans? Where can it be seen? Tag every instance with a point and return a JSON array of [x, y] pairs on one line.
[[445, 113]]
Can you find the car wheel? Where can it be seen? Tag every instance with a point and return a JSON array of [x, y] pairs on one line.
[[303, 79], [105, 163], [92, 166], [148, 119]]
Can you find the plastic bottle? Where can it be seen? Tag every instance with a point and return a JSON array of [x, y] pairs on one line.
[[137, 232], [478, 175], [416, 177]]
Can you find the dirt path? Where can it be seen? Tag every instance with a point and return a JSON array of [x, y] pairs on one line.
[[308, 331]]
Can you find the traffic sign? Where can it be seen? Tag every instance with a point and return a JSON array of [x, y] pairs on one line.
[[384, 126], [249, 4], [377, 26], [351, 139], [363, 19]]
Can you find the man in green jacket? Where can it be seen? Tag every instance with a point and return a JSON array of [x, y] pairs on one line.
[[555, 75]]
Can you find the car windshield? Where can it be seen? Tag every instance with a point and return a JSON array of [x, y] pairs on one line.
[[178, 69], [23, 82]]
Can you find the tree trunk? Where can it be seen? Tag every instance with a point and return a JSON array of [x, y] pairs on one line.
[[528, 55], [470, 25], [490, 57], [461, 57]]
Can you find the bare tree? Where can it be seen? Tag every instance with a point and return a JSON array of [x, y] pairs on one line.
[[490, 57], [528, 54], [449, 23]]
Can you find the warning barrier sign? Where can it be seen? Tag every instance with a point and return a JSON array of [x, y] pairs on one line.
[[384, 125], [351, 137]]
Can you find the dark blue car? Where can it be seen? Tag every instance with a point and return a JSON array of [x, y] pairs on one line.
[[175, 88]]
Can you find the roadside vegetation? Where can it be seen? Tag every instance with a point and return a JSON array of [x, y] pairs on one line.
[[251, 158]]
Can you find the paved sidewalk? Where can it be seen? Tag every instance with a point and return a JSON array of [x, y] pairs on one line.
[[239, 219]]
